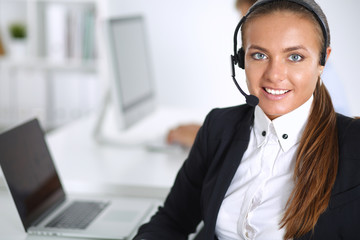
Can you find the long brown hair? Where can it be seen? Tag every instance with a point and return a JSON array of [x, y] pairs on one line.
[[316, 167], [317, 157]]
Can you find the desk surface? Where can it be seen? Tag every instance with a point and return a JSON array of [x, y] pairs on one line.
[[87, 166]]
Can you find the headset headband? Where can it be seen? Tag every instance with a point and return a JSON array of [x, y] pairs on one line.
[[302, 3]]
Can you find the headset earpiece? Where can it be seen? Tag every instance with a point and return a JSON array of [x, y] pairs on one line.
[[241, 58], [323, 58]]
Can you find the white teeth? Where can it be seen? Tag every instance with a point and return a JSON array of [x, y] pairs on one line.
[[275, 92]]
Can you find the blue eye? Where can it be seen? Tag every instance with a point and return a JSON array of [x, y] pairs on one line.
[[259, 56], [295, 58]]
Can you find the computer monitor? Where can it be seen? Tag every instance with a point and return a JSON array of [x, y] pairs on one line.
[[130, 71], [130, 97], [131, 91]]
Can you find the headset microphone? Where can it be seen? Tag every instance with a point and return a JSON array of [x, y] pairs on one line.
[[238, 58], [250, 99]]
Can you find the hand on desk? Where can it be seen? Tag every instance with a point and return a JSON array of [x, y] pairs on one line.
[[183, 134]]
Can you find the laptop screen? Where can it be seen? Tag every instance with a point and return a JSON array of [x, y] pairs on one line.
[[29, 171]]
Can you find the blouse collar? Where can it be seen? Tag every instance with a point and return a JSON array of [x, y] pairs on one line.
[[287, 128]]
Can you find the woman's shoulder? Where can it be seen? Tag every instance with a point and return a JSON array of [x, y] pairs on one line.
[[225, 122], [239, 112], [348, 125], [349, 133]]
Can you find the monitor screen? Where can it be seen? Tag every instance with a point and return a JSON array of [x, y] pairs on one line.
[[130, 70]]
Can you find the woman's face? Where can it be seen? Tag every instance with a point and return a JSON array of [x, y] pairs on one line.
[[282, 62]]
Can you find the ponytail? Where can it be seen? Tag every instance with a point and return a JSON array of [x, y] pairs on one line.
[[316, 167]]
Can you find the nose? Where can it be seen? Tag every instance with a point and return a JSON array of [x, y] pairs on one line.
[[276, 70]]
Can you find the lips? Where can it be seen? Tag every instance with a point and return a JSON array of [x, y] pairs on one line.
[[275, 91]]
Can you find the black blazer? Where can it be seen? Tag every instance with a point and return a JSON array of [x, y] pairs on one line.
[[205, 176]]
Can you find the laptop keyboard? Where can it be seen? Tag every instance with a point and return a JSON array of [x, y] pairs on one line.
[[77, 215]]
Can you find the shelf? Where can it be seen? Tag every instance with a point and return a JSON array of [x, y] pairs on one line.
[[46, 64], [61, 44]]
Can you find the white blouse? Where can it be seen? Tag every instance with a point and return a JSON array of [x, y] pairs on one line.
[[255, 201]]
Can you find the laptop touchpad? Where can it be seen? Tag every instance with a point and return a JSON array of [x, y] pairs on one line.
[[121, 216]]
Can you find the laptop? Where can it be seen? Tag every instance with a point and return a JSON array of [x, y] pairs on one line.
[[43, 205]]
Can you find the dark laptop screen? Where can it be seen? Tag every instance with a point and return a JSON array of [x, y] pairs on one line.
[[29, 171]]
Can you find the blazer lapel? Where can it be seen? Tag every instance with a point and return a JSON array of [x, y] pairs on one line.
[[236, 148]]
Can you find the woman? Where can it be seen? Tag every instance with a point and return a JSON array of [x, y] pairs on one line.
[[285, 169]]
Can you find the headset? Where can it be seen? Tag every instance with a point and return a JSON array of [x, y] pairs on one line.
[[239, 55]]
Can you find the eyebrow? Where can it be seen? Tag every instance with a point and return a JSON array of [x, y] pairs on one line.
[[256, 47], [289, 49]]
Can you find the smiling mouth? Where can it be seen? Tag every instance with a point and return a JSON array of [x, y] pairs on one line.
[[275, 92]]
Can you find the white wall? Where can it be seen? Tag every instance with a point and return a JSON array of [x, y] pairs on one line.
[[344, 18], [191, 43]]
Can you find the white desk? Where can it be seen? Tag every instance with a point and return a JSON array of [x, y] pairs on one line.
[[10, 224], [86, 167]]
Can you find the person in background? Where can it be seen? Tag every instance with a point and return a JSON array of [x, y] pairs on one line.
[[242, 6], [185, 134]]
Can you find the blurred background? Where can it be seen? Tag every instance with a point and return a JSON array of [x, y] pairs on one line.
[[52, 61]]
